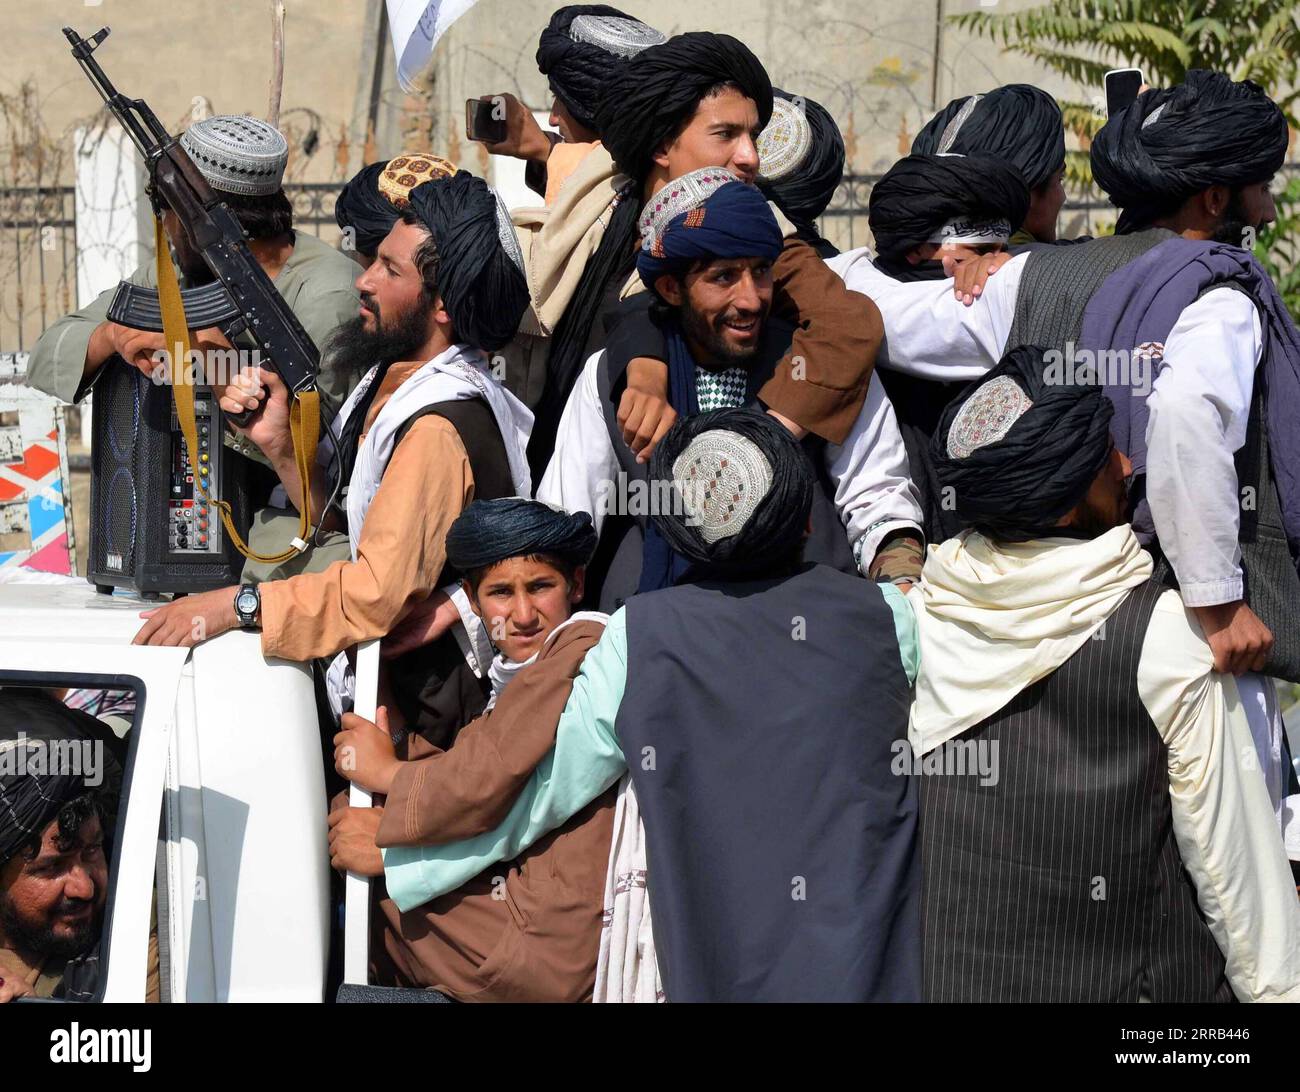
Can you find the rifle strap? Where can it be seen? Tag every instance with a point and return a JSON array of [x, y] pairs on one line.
[[304, 410]]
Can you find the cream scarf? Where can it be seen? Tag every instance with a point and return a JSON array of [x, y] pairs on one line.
[[994, 618]]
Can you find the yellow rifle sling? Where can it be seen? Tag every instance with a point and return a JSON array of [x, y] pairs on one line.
[[304, 410]]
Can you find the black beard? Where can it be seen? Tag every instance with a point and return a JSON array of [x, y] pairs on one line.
[[1091, 522], [38, 941], [708, 335], [1232, 228], [354, 350]]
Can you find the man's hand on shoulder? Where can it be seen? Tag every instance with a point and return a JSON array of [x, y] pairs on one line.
[[422, 625], [644, 413], [1239, 640], [971, 274], [16, 979]]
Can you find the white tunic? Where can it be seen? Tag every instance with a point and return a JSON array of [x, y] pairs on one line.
[[873, 487]]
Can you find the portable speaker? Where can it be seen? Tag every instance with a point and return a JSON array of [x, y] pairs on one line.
[[150, 531]]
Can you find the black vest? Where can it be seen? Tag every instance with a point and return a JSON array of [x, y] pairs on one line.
[[433, 686], [1062, 881], [760, 722], [615, 571]]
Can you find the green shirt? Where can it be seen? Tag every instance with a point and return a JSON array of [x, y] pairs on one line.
[[586, 760], [317, 282]]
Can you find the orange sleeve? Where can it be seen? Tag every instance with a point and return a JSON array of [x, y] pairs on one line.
[[400, 554]]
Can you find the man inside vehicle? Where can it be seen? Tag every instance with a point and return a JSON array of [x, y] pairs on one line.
[[55, 827]]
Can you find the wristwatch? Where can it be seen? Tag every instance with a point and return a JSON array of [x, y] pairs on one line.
[[248, 603]]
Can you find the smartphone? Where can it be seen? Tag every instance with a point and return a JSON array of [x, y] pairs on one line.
[[480, 124], [1122, 88]]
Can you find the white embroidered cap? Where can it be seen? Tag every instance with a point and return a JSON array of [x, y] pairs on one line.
[[786, 141], [722, 478], [506, 232], [987, 416], [624, 37], [238, 154], [963, 229], [679, 196]]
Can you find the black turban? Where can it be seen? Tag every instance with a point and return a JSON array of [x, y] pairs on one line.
[[711, 491], [579, 70], [919, 194], [481, 281], [1019, 123], [361, 207], [1209, 131], [1016, 483], [369, 201], [651, 96], [490, 531], [36, 780], [804, 190]]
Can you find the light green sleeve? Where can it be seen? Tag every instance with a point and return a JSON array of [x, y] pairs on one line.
[[585, 761], [909, 646], [58, 359], [319, 284]]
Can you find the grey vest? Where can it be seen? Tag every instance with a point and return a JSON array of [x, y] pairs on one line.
[[760, 723], [1062, 881], [1058, 282], [1055, 289]]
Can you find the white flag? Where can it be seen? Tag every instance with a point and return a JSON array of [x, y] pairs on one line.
[[416, 26]]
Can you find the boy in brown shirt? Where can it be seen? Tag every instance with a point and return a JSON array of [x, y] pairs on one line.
[[527, 930]]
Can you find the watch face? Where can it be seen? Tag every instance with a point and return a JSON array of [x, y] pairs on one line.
[[247, 602]]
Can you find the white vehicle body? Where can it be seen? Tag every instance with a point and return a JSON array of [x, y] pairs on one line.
[[227, 750]]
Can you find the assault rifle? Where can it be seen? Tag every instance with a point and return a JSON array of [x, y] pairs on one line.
[[262, 319]]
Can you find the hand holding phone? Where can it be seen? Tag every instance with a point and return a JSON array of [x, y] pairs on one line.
[[1122, 88], [507, 127], [485, 119]]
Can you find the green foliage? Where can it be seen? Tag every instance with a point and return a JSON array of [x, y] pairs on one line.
[[1247, 39], [1278, 245]]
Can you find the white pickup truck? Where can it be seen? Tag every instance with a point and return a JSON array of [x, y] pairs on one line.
[[222, 815]]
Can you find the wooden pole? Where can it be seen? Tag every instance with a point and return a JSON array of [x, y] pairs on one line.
[[277, 61]]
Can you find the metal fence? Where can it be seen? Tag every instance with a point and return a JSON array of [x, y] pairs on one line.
[[38, 261], [38, 252], [313, 208], [844, 222], [38, 241], [1086, 212]]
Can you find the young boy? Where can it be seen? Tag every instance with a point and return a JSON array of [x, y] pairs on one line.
[[527, 930]]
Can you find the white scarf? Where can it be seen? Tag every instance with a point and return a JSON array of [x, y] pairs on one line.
[[626, 967], [456, 374], [502, 671], [994, 618]]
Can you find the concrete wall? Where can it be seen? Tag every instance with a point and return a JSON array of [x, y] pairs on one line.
[[872, 63]]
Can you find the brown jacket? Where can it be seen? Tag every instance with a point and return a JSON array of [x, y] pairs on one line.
[[837, 334], [524, 930]]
